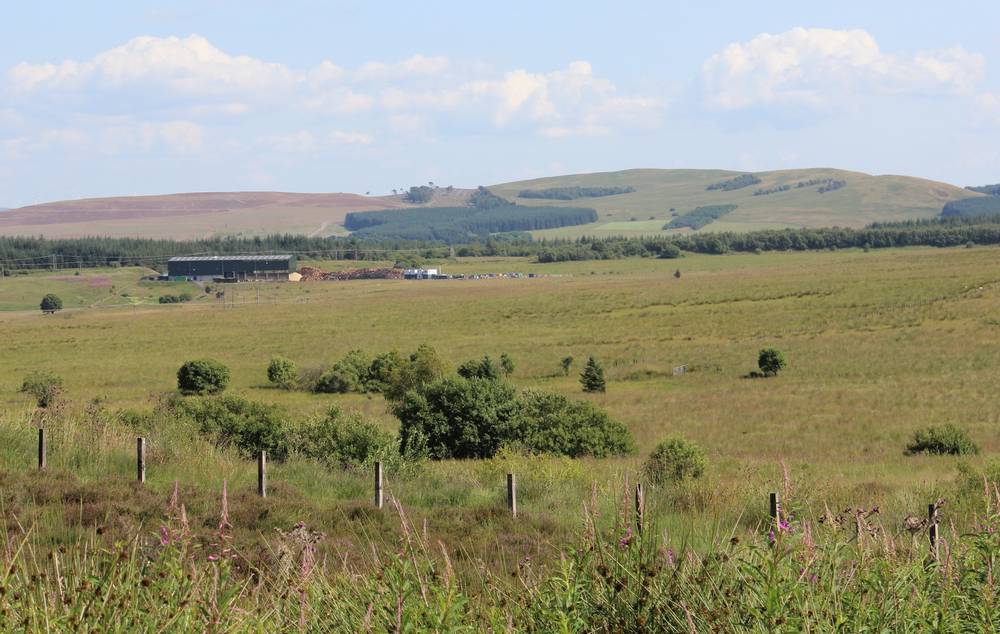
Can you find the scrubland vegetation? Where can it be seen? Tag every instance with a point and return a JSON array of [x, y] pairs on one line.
[[879, 409]]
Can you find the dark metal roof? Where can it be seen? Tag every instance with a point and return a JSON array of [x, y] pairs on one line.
[[238, 258]]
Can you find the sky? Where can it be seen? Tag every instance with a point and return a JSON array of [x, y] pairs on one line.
[[116, 98]]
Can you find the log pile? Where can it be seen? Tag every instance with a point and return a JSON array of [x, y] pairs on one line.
[[313, 274]]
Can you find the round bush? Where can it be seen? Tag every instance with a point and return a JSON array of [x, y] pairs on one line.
[[675, 460], [204, 376], [281, 372], [947, 439], [770, 361], [51, 303]]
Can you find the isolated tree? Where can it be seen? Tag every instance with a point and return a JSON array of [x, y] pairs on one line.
[[51, 303], [677, 274], [506, 364], [592, 377], [282, 372], [566, 363], [204, 376], [770, 361]]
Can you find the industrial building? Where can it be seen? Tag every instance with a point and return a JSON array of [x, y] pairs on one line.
[[231, 268]]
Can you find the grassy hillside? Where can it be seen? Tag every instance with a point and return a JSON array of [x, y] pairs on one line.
[[862, 200]]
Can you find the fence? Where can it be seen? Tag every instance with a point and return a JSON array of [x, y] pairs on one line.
[[774, 504]]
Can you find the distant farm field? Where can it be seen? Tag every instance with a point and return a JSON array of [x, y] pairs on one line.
[[878, 344]]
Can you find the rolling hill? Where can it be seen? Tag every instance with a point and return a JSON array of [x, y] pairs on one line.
[[861, 200], [648, 199]]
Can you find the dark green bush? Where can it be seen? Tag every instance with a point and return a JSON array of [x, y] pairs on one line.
[[770, 361], [554, 424], [248, 426], [350, 374], [674, 460], [946, 439], [44, 386], [204, 376], [485, 368], [51, 303]]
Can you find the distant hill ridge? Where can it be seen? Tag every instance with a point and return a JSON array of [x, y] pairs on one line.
[[628, 202]]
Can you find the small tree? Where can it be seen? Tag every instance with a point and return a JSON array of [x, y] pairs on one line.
[[566, 363], [677, 274], [486, 368], [770, 361], [44, 386], [51, 303], [204, 376], [674, 460], [506, 364], [592, 377], [282, 372]]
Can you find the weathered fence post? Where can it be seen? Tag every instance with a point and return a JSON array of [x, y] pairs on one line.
[[41, 448], [932, 532], [512, 494], [640, 507], [378, 485], [140, 459], [775, 511], [262, 474]]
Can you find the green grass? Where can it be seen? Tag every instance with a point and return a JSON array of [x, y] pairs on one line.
[[88, 288], [878, 345], [864, 200]]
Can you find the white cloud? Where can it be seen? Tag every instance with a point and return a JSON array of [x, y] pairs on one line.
[[417, 65], [988, 105], [190, 65], [824, 67], [339, 137]]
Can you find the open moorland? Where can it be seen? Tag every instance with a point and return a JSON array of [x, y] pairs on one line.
[[878, 344]]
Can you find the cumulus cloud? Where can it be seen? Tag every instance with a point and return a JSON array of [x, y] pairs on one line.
[[189, 77], [820, 68]]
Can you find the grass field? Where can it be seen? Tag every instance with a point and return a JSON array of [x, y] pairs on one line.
[[878, 344], [865, 199]]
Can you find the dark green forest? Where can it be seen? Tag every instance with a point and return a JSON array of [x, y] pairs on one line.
[[457, 225], [972, 207], [572, 193], [699, 217], [744, 180], [992, 190]]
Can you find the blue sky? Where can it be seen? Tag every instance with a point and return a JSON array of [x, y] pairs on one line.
[[153, 97]]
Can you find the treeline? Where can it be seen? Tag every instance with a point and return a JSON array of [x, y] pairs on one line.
[[772, 190], [992, 190], [947, 232], [572, 193], [699, 217], [744, 180], [972, 207], [32, 253], [457, 225]]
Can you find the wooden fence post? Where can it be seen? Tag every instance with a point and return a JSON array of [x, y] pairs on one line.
[[775, 511], [41, 448], [378, 485], [262, 474], [932, 532], [140, 459], [512, 494], [640, 507]]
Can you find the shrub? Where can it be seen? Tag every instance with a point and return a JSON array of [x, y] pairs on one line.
[[340, 441], [946, 439], [248, 426], [770, 361], [51, 303], [566, 363], [381, 369], [457, 417], [592, 377], [350, 374], [204, 376], [282, 372], [421, 368], [486, 368], [507, 364], [674, 460], [44, 386], [554, 424]]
